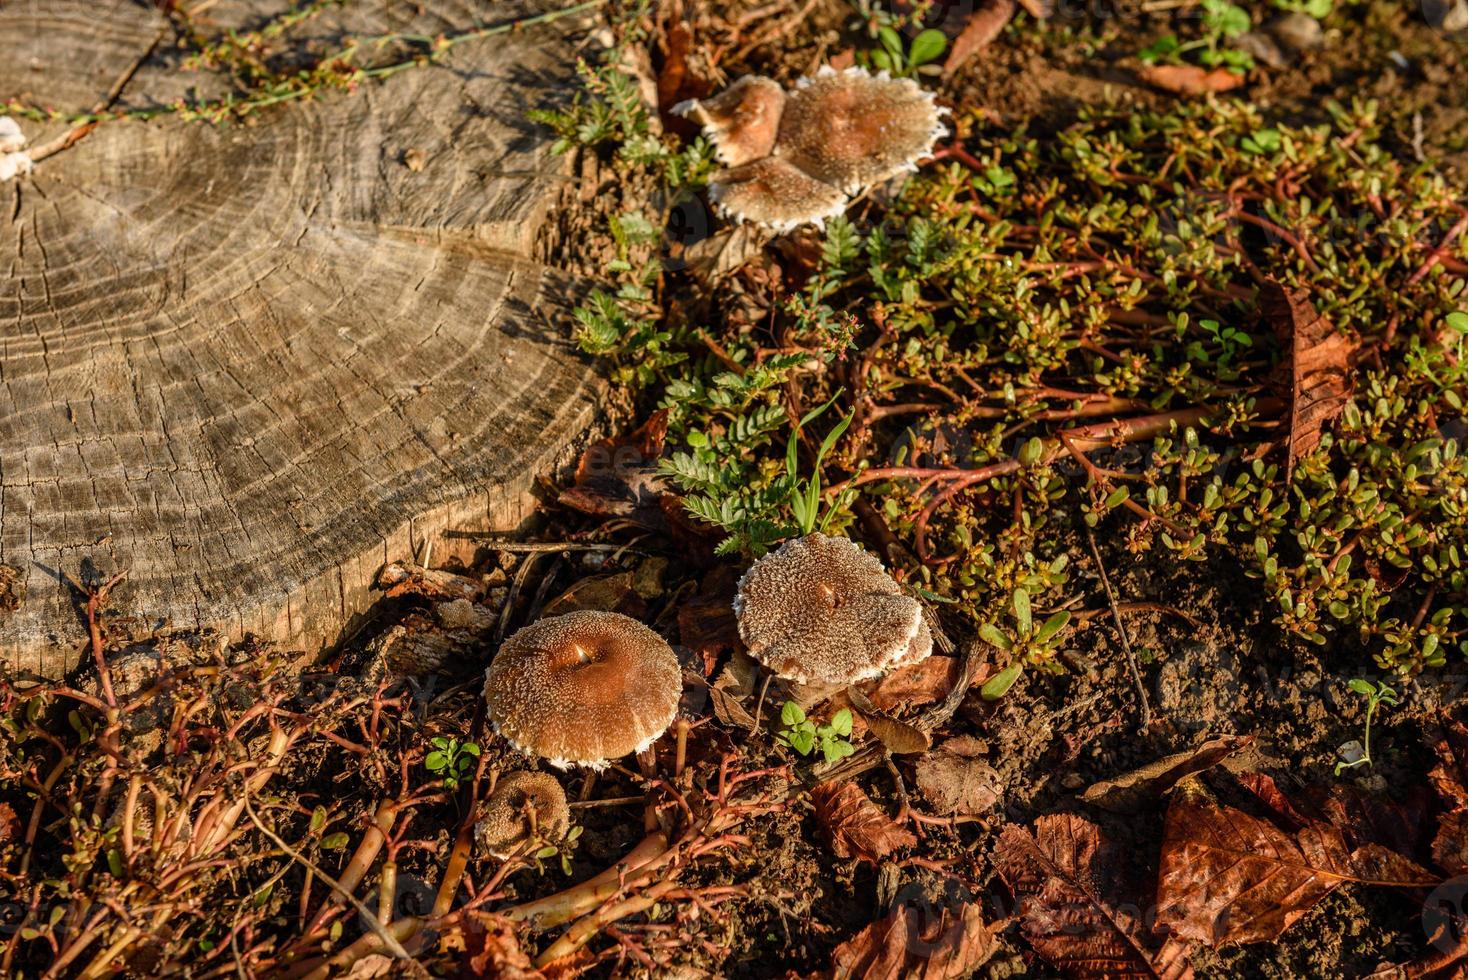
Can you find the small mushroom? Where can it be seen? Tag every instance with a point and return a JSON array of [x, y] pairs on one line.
[[583, 689], [821, 609], [797, 157], [523, 806]]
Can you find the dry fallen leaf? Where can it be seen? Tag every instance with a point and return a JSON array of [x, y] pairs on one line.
[[618, 477], [913, 945], [612, 592], [1226, 876], [1450, 847], [954, 778], [9, 823], [1189, 79], [493, 949], [900, 737], [983, 26], [1133, 790], [1450, 775], [1064, 878], [1450, 779], [855, 826], [1320, 364], [707, 624], [926, 682]]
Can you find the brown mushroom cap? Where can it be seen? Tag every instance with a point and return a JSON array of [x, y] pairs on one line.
[[773, 193], [583, 688], [821, 609], [793, 158], [506, 821], [852, 129], [740, 121]]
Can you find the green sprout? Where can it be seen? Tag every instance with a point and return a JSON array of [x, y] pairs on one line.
[[1025, 644], [928, 46], [804, 736], [1374, 694], [1222, 21], [1319, 9], [452, 759], [563, 850]]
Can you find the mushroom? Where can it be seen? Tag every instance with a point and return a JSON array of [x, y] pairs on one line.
[[797, 157], [583, 689], [821, 609], [524, 806]]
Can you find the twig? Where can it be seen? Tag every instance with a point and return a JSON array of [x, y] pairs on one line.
[[1126, 644]]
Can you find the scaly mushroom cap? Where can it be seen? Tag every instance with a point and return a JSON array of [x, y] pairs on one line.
[[583, 689], [740, 121], [773, 193], [506, 821], [793, 158], [821, 609], [851, 129]]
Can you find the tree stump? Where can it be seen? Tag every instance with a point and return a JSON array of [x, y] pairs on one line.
[[248, 363]]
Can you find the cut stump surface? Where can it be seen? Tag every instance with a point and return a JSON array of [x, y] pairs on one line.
[[249, 363]]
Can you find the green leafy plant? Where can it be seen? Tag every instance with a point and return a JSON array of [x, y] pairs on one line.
[[1319, 9], [1025, 642], [1375, 695], [1222, 21], [804, 736], [904, 61], [451, 759], [562, 851]]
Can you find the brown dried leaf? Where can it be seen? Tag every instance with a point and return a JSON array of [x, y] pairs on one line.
[[955, 778], [735, 684], [707, 626], [1140, 787], [983, 26], [1450, 847], [1189, 79], [1450, 775], [9, 823], [619, 476], [855, 825], [492, 949], [900, 737], [1226, 876], [1320, 364], [613, 592], [1063, 877], [724, 253], [914, 946], [926, 682]]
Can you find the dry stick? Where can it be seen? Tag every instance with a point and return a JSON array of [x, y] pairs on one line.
[[1126, 645], [388, 940]]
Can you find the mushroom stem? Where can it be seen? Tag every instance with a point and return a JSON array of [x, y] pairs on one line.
[[647, 761], [586, 785], [680, 752]]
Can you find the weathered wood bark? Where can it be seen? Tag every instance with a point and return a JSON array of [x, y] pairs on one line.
[[248, 364]]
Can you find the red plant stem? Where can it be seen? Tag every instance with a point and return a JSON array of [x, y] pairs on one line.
[[1437, 254]]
